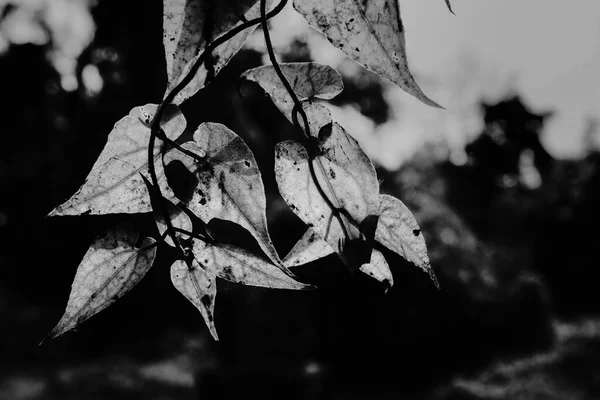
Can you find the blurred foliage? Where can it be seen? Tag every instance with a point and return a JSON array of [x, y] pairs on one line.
[[511, 235]]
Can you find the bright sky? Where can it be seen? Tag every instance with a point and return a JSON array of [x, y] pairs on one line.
[[551, 49]]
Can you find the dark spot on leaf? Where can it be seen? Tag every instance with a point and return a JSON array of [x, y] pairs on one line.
[[416, 232], [247, 163], [332, 173], [206, 301], [202, 201]]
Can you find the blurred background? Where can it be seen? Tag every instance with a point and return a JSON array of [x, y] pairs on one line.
[[505, 184]]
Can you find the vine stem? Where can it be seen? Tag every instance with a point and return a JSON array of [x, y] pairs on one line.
[[298, 109], [156, 131]]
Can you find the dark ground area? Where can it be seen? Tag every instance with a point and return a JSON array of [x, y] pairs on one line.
[[517, 262]]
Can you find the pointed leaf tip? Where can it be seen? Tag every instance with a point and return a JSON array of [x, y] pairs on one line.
[[111, 267]]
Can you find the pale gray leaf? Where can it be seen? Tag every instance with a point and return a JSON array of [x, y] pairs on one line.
[[378, 269], [237, 265], [190, 25], [398, 230], [309, 248], [229, 183], [199, 287], [109, 269], [309, 80], [115, 185], [370, 32]]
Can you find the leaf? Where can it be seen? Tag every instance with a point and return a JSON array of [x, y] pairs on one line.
[[109, 269], [379, 269], [115, 184], [189, 26], [229, 184], [240, 266], [199, 287], [370, 32], [309, 80], [308, 249], [449, 6], [398, 230]]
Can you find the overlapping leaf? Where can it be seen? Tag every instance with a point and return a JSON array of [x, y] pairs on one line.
[[398, 230], [370, 32], [237, 265], [199, 287], [190, 25], [109, 269], [345, 175], [115, 184], [378, 269], [229, 184], [309, 80]]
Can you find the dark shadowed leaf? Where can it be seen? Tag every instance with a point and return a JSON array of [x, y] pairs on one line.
[[309, 80], [370, 32], [228, 182], [199, 287], [379, 269], [190, 25], [398, 230], [237, 265], [309, 248], [109, 269], [115, 185]]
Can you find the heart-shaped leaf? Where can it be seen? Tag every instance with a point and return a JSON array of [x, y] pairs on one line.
[[115, 184], [370, 32], [109, 269], [199, 287], [398, 230], [309, 80], [229, 185], [189, 26], [237, 265]]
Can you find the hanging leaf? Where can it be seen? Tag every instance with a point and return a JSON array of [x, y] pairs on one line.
[[115, 184], [237, 265], [370, 32], [449, 6], [379, 269], [109, 269], [398, 230], [190, 25], [309, 80], [309, 248], [199, 287], [228, 182]]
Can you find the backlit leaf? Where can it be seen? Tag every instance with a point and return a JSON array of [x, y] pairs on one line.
[[309, 80], [229, 185], [114, 185], [370, 32], [309, 248], [190, 25], [109, 269], [379, 269], [199, 287], [237, 265], [398, 230]]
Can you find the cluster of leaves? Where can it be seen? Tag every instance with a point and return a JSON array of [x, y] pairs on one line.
[[325, 177]]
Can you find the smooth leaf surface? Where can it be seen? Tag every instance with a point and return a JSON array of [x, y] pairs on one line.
[[199, 287], [309, 80], [229, 185], [115, 184], [190, 25], [370, 32], [309, 248], [378, 269], [398, 230], [109, 269], [237, 265]]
